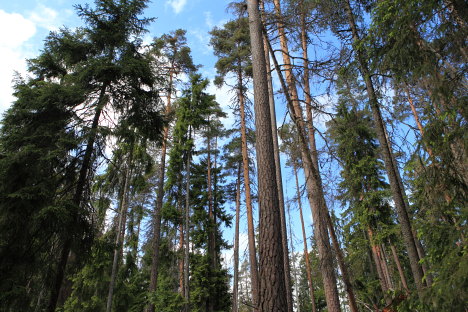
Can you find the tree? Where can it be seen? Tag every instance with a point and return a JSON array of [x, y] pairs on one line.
[[272, 293], [232, 46], [172, 48]]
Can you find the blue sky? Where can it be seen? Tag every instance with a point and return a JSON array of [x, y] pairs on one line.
[[24, 24]]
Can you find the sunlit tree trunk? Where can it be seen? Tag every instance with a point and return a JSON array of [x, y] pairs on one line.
[[279, 181], [313, 179]]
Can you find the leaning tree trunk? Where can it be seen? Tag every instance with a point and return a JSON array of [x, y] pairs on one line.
[[248, 199], [304, 238], [78, 197], [313, 179], [390, 166], [271, 273]]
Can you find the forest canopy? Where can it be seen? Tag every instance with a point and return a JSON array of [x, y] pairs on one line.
[[330, 175]]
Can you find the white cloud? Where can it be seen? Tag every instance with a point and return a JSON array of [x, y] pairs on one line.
[[177, 5], [208, 19], [15, 31], [45, 17], [19, 33]]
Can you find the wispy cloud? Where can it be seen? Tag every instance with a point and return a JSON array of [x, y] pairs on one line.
[[177, 5]]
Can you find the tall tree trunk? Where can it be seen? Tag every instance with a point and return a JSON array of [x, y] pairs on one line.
[[235, 287], [279, 180], [187, 228], [304, 238], [120, 231], [78, 197], [271, 273], [159, 203], [211, 228], [390, 166], [248, 200], [313, 179]]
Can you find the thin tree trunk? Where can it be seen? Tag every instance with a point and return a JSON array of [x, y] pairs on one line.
[[279, 179], [385, 267], [342, 265], [211, 228], [400, 270], [187, 229], [313, 183], [271, 273], [376, 252], [235, 287], [390, 166], [78, 198], [120, 233], [304, 238], [248, 201], [159, 203]]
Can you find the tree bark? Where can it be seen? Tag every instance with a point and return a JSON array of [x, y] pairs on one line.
[[390, 166], [272, 286], [279, 179]]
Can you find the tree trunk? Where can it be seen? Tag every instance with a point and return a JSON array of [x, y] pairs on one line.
[[78, 198], [271, 273], [279, 179], [313, 179], [400, 270], [187, 229], [158, 204], [235, 295], [211, 227], [304, 238], [248, 200], [120, 232], [390, 166], [376, 255], [342, 265]]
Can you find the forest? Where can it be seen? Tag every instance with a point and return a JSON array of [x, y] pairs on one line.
[[123, 189]]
